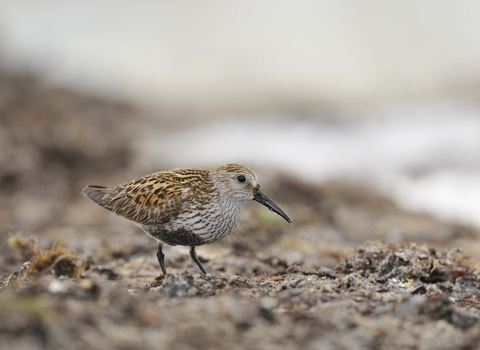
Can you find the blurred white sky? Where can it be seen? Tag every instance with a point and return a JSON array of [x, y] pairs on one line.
[[222, 55], [405, 74]]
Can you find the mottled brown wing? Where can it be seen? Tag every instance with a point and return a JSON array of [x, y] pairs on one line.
[[150, 200]]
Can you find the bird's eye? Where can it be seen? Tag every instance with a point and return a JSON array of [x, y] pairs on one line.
[[241, 178]]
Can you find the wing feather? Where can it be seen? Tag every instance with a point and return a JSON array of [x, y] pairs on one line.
[[151, 200]]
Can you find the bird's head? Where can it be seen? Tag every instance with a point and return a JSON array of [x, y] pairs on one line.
[[240, 183]]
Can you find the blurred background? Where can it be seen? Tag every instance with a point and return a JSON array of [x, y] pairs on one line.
[[361, 119], [381, 95]]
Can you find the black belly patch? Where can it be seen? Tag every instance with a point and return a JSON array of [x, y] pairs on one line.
[[174, 237]]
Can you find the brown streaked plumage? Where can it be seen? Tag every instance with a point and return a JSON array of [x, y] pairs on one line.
[[189, 207]]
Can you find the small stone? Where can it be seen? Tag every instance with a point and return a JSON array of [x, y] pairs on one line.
[[56, 287], [176, 289]]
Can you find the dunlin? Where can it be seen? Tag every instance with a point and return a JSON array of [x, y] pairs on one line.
[[189, 207]]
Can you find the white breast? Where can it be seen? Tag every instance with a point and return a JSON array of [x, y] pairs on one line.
[[212, 223]]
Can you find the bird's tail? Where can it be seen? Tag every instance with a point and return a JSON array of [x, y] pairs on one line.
[[102, 195]]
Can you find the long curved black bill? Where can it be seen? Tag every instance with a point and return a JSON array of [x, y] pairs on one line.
[[262, 198]]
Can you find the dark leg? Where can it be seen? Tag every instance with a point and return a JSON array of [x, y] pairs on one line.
[[193, 254], [161, 258]]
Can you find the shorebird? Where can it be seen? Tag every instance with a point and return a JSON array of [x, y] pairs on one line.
[[188, 207]]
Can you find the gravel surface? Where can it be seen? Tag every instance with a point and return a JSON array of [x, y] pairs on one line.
[[352, 272]]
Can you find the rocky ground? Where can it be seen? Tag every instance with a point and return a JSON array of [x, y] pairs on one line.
[[75, 276]]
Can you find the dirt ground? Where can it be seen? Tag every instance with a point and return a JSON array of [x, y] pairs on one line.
[[353, 271]]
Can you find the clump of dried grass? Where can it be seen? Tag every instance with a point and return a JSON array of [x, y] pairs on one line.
[[58, 260]]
